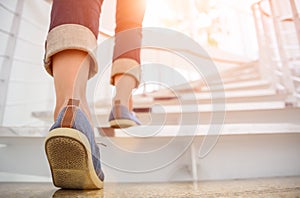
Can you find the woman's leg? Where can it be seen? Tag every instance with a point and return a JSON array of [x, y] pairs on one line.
[[70, 46], [70, 146], [126, 61], [70, 73]]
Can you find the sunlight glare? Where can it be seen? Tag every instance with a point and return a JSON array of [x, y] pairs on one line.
[[157, 10]]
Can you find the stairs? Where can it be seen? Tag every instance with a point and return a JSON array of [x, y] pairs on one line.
[[244, 127], [259, 137], [171, 153], [184, 136]]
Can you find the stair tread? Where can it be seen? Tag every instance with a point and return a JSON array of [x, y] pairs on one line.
[[192, 130], [277, 108], [237, 85], [205, 95], [228, 107], [230, 94], [193, 108], [170, 130]]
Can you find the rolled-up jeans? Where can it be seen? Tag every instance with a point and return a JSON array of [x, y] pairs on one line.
[[75, 25]]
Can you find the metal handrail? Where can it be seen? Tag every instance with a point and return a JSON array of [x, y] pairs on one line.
[[262, 10], [268, 24]]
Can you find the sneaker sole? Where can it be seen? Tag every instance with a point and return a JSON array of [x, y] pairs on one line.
[[122, 123], [69, 156]]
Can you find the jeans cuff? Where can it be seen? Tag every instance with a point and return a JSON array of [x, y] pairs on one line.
[[126, 66], [71, 36]]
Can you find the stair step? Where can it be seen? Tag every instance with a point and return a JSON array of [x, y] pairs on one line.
[[155, 131], [194, 108], [239, 78], [264, 187], [231, 94], [201, 108], [269, 112], [259, 95], [150, 155], [239, 85], [248, 113]]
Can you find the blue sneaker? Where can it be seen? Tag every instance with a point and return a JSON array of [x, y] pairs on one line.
[[121, 117], [72, 152]]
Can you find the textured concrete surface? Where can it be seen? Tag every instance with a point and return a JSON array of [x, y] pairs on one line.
[[271, 187]]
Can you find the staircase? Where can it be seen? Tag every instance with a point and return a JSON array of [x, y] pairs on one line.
[[260, 136], [179, 140]]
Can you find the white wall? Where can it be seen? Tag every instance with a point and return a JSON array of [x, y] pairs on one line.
[[30, 88]]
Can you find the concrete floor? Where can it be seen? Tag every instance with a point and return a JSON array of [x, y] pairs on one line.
[[271, 187]]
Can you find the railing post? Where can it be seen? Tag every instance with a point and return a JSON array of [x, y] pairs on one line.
[[287, 78], [264, 42], [296, 19], [260, 42]]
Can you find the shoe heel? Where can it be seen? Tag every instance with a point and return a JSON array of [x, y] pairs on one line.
[[70, 160]]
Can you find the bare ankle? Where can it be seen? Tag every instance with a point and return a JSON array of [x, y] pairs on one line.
[[125, 102], [124, 85]]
